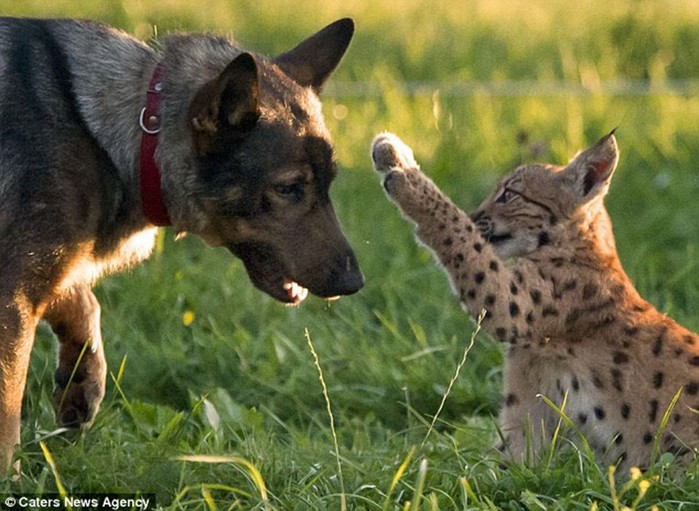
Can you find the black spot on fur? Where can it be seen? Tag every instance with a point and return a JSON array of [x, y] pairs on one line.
[[570, 285], [514, 309], [582, 418], [658, 380], [448, 242], [557, 261], [490, 300], [600, 413], [648, 437], [544, 239], [513, 288], [572, 316], [620, 358], [479, 277], [692, 388], [500, 333], [616, 378], [597, 381], [511, 400], [494, 266], [694, 361], [589, 291], [658, 345], [653, 411], [625, 411], [536, 296], [549, 311], [478, 247], [575, 384]]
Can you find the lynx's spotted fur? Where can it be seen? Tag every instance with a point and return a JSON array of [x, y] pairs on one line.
[[539, 257]]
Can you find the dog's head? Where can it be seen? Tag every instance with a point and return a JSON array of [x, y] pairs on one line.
[[265, 163]]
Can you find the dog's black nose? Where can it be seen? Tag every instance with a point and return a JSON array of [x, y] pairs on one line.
[[347, 278], [351, 280]]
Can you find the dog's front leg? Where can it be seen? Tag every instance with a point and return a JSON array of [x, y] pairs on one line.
[[17, 329], [82, 369]]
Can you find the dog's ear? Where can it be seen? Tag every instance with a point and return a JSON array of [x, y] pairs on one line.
[[311, 62], [227, 105]]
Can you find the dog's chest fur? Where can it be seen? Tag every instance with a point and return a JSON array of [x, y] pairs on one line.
[[87, 266]]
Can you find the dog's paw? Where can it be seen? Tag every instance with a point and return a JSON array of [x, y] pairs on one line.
[[78, 395]]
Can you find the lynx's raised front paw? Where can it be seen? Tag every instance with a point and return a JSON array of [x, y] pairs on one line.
[[390, 153], [393, 161]]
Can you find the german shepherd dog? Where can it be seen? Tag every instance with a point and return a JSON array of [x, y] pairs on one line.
[[103, 138]]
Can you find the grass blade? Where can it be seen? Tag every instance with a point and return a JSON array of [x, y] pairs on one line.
[[57, 478], [459, 366], [326, 396], [396, 478], [255, 474]]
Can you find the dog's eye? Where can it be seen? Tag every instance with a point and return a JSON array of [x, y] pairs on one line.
[[289, 191]]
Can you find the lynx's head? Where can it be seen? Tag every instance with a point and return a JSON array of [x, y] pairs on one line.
[[537, 206]]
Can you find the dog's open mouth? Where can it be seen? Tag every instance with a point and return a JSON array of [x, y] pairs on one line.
[[295, 292], [270, 274]]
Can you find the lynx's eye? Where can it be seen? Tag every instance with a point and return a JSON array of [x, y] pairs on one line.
[[505, 196]]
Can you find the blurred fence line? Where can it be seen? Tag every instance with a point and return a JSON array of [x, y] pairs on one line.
[[517, 88]]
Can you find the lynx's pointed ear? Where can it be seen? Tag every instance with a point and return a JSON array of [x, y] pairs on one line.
[[227, 105], [588, 174], [311, 62]]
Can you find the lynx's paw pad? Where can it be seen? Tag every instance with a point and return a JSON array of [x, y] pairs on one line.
[[394, 162], [391, 154]]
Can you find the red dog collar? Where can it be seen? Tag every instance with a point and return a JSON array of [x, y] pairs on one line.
[[149, 120]]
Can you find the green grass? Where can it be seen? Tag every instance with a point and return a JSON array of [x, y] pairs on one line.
[[228, 412]]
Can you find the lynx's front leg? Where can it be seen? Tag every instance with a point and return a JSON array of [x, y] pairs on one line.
[[477, 275], [414, 193]]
